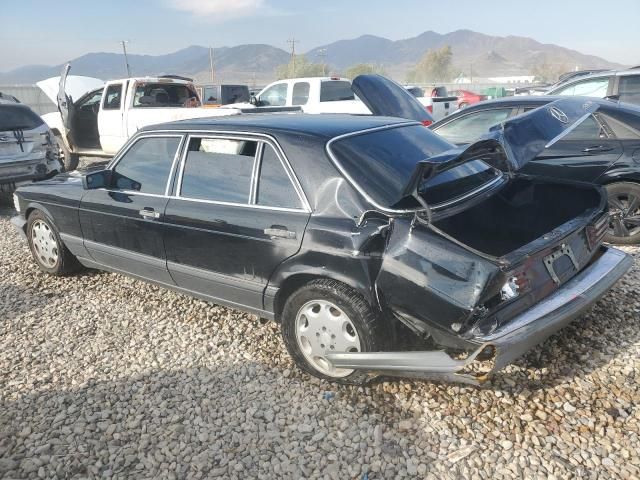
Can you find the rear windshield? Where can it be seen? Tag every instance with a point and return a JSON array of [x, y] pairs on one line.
[[18, 117], [335, 90], [457, 182], [149, 95], [382, 162]]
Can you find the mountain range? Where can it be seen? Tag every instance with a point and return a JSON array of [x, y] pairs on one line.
[[474, 54]]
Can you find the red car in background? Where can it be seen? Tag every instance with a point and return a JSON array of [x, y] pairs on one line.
[[466, 98]]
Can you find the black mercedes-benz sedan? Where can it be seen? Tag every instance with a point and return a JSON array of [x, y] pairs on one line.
[[379, 247], [604, 149]]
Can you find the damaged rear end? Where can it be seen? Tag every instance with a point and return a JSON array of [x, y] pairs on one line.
[[480, 260]]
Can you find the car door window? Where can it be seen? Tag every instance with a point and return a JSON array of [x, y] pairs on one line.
[[274, 185], [467, 128], [590, 129], [146, 165], [596, 87], [218, 169], [300, 93], [90, 102], [275, 95], [629, 89], [112, 97]]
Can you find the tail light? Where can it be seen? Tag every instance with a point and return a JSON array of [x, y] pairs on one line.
[[430, 109], [426, 123]]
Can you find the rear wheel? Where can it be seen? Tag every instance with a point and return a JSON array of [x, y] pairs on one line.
[[624, 211], [46, 247], [325, 316], [69, 160]]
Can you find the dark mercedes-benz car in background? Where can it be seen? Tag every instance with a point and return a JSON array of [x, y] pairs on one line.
[[604, 149], [380, 247]]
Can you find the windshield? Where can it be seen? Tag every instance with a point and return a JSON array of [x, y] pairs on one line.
[[382, 162], [18, 117], [149, 95]]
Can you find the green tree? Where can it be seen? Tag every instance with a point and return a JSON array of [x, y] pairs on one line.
[[434, 66], [362, 69], [301, 67], [548, 72]]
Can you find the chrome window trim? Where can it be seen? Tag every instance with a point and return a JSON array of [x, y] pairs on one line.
[[257, 162], [254, 137], [368, 198]]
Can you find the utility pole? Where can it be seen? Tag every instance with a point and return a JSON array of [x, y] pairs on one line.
[[211, 63], [322, 53], [126, 59], [292, 42]]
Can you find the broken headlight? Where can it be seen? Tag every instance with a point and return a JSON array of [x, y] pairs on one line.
[[510, 289]]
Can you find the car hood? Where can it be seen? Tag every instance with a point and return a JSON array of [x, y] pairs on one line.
[[509, 146], [75, 86], [384, 97]]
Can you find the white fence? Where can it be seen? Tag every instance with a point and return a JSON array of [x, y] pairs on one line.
[[30, 95]]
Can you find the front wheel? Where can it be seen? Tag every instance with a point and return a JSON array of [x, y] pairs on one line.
[[326, 316], [624, 213], [69, 160], [47, 249]]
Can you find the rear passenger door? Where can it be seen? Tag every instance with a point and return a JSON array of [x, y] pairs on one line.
[[237, 212], [583, 155]]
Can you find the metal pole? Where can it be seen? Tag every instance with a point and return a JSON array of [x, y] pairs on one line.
[[126, 59], [211, 63]]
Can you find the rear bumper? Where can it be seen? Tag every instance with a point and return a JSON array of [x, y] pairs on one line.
[[509, 342]]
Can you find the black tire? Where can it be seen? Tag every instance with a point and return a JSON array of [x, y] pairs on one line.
[[65, 262], [624, 208], [69, 160], [366, 321]]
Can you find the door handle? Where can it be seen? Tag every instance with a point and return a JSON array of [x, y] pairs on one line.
[[149, 214], [279, 231], [597, 148]]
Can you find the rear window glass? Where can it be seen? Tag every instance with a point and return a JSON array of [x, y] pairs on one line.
[[18, 117], [218, 169], [382, 162], [457, 182], [335, 91]]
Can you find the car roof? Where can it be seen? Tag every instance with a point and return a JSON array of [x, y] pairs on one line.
[[325, 126]]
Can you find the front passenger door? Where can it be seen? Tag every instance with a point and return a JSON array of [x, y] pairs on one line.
[[122, 224]]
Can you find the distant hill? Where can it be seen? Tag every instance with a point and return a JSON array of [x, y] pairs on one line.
[[476, 53], [485, 55]]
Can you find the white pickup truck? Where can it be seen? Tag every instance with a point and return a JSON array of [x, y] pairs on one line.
[[100, 121], [335, 95], [313, 95]]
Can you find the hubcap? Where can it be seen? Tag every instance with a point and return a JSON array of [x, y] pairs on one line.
[[321, 328], [44, 243], [624, 220]]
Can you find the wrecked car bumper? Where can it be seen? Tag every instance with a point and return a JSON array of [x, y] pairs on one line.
[[507, 343]]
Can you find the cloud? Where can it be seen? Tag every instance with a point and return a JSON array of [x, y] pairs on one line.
[[218, 9]]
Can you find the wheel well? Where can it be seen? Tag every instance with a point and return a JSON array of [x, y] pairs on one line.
[[294, 282]]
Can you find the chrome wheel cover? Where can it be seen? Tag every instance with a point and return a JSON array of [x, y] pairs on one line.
[[321, 328], [624, 215], [45, 246]]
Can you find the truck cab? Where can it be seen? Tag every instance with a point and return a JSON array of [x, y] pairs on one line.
[[103, 119]]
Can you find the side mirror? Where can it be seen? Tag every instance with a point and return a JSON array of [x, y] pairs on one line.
[[94, 180], [253, 100]]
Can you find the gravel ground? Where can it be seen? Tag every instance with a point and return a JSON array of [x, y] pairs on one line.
[[104, 376]]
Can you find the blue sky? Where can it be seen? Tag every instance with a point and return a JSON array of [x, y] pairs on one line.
[[49, 32]]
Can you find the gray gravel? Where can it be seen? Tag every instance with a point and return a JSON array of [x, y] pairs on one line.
[[104, 376]]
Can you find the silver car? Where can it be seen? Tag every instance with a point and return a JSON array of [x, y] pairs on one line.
[[27, 149]]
